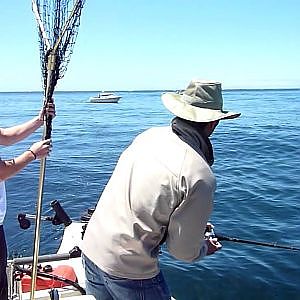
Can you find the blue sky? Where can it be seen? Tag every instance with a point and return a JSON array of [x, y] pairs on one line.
[[161, 44]]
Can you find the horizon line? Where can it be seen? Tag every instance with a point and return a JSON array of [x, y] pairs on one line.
[[151, 90]]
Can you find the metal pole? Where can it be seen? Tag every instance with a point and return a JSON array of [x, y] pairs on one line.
[[48, 95], [37, 227]]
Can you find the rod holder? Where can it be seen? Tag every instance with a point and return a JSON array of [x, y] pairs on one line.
[[61, 216]]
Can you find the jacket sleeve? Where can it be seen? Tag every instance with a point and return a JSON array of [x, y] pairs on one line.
[[185, 238]]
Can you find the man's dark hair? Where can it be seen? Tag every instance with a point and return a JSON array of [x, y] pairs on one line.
[[197, 125]]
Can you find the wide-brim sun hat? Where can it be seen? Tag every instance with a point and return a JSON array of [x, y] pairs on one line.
[[202, 101]]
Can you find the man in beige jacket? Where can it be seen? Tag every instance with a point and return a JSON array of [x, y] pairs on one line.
[[161, 191]]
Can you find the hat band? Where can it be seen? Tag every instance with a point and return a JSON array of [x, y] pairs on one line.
[[201, 102]]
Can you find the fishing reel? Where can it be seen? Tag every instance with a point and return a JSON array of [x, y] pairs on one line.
[[60, 217], [209, 231]]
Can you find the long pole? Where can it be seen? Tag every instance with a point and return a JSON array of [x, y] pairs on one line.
[[238, 240], [53, 63], [47, 132]]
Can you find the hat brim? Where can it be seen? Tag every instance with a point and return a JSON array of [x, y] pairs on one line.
[[173, 102]]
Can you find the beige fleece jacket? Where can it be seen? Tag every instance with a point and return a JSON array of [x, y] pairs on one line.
[[160, 188]]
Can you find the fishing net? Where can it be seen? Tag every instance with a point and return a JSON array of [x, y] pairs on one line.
[[58, 22]]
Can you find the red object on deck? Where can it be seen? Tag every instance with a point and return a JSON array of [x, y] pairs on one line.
[[43, 283]]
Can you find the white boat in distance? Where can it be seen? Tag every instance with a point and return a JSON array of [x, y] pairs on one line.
[[105, 97]]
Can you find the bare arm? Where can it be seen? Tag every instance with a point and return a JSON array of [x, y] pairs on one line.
[[14, 134], [9, 168], [8, 136]]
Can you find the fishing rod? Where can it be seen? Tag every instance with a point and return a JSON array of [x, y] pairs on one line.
[[210, 233], [238, 240], [58, 22]]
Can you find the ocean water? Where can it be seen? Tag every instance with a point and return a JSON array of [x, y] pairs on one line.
[[257, 165]]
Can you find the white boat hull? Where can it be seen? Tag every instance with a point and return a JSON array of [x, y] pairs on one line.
[[106, 98], [99, 100], [71, 238]]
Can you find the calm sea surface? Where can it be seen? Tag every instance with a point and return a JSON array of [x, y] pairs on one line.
[[257, 165]]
